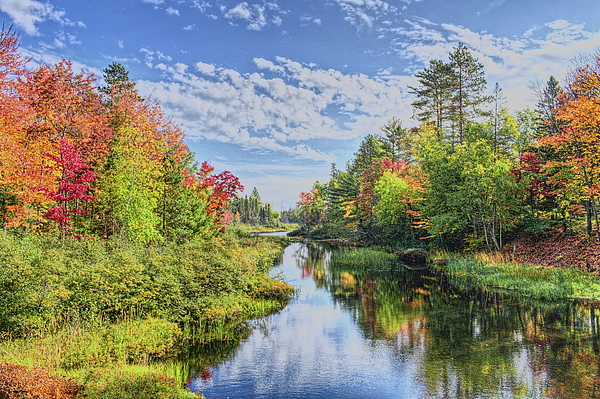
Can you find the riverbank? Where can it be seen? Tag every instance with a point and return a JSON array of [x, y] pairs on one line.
[[496, 272], [554, 248], [511, 271], [105, 314]]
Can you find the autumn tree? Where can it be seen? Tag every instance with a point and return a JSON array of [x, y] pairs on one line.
[[311, 206], [71, 195], [576, 169], [132, 184], [16, 116]]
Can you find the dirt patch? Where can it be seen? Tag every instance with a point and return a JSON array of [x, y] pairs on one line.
[[20, 382], [554, 248]]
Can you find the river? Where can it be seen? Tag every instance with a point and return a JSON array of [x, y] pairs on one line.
[[405, 334]]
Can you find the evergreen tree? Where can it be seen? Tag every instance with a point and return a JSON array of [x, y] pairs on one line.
[[434, 95], [468, 90], [548, 103], [397, 141]]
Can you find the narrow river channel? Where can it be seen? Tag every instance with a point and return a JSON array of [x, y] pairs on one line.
[[406, 334]]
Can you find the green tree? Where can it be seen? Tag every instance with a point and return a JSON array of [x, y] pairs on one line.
[[468, 91], [434, 95], [397, 141], [549, 101]]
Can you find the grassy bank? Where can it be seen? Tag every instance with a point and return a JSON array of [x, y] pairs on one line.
[[498, 272], [103, 313], [252, 229], [486, 271]]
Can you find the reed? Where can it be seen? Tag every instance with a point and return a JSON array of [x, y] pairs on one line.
[[364, 259], [492, 271]]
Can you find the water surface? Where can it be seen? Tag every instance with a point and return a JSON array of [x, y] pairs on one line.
[[405, 334]]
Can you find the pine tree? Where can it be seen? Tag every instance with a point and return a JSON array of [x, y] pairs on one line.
[[548, 103], [434, 95], [470, 84], [397, 141]]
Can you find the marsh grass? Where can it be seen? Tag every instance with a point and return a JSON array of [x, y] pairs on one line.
[[243, 229], [500, 272], [364, 259]]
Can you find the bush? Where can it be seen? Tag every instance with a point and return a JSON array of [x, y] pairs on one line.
[[51, 282]]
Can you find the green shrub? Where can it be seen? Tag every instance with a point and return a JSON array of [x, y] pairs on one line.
[[135, 341], [47, 281]]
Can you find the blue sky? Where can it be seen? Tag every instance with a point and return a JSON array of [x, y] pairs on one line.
[[275, 91]]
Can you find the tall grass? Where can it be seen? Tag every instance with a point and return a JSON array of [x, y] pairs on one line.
[[494, 271], [364, 259]]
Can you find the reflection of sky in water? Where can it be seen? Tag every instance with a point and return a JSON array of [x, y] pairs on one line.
[[315, 348], [311, 349]]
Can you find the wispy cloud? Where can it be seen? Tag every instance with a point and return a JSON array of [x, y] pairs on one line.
[[513, 62], [363, 13], [150, 56], [257, 16], [27, 14], [172, 11]]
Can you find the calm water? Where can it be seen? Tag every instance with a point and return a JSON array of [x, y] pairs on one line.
[[404, 334]]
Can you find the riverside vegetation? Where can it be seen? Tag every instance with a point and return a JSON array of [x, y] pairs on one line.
[[105, 314]]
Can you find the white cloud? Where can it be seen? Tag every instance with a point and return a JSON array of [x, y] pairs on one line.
[[558, 24], [206, 69], [27, 14], [363, 13], [254, 15], [281, 114], [241, 11], [261, 63], [172, 11], [150, 56]]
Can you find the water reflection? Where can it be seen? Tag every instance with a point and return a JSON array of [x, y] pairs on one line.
[[407, 334]]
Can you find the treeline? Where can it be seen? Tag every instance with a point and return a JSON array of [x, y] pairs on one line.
[[471, 174], [251, 210], [81, 160]]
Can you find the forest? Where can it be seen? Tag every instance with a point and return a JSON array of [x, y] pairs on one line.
[[119, 249], [99, 162], [472, 175]]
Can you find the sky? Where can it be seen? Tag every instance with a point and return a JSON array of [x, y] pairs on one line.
[[275, 91]]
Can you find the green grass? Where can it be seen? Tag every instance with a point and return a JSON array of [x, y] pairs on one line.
[[493, 273], [243, 228], [364, 259]]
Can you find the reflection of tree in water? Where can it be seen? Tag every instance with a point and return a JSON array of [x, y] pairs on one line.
[[313, 260], [476, 344]]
